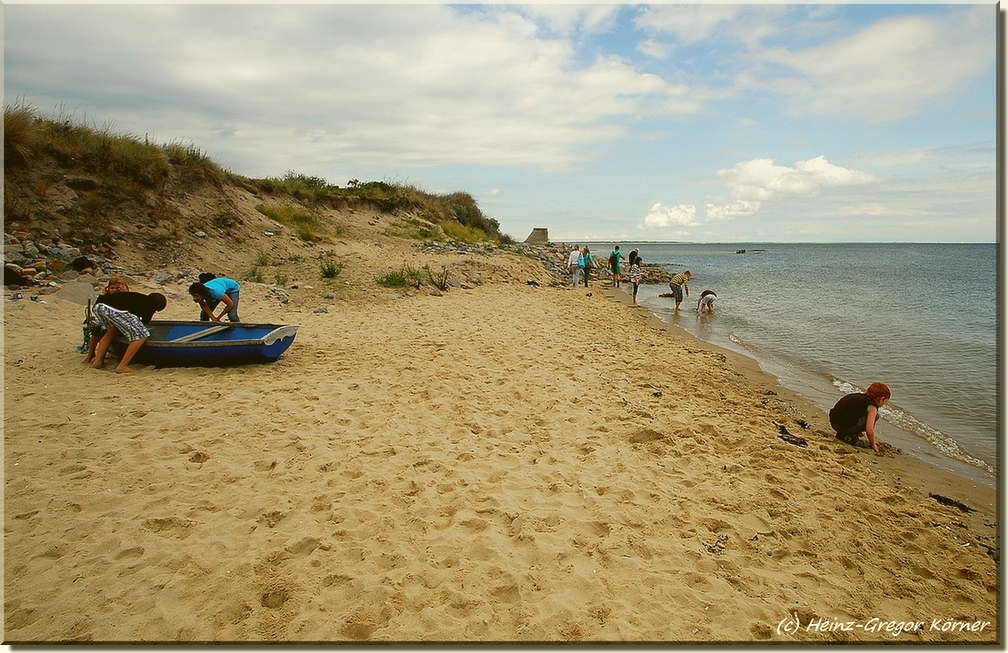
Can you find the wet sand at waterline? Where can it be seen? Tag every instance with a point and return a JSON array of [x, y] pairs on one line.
[[501, 463]]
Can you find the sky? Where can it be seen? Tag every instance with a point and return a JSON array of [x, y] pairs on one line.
[[693, 122]]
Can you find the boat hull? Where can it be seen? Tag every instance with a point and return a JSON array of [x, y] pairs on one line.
[[213, 344]]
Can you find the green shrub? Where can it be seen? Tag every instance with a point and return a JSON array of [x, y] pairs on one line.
[[438, 279], [407, 275], [280, 279], [224, 219], [262, 259], [411, 229], [254, 275], [463, 233], [330, 269], [302, 220]]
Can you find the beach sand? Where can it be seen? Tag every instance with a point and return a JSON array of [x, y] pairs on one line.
[[500, 463]]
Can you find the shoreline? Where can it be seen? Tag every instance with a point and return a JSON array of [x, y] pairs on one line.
[[942, 395], [913, 445], [903, 469]]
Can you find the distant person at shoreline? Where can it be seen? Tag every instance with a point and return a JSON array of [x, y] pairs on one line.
[[706, 301], [635, 276], [574, 263], [615, 264], [677, 284], [589, 263], [209, 294], [857, 413], [126, 314]]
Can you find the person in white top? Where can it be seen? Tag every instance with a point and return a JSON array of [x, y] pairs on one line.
[[574, 265]]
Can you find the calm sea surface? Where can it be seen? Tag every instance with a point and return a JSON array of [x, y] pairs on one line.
[[829, 319]]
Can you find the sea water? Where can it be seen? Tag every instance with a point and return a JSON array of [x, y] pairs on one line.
[[829, 319]]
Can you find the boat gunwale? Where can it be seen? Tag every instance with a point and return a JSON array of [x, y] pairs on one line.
[[198, 344]]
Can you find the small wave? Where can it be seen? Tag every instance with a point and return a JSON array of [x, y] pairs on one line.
[[745, 346], [907, 422]]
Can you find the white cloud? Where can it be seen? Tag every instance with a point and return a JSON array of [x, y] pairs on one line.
[[880, 210], [891, 69], [737, 209], [688, 23], [762, 179], [753, 182], [655, 49], [569, 19], [313, 86], [663, 217]]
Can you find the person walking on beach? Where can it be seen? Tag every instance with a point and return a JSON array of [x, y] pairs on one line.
[[574, 263], [615, 263], [677, 284], [635, 277], [212, 292], [706, 301], [857, 413], [589, 263]]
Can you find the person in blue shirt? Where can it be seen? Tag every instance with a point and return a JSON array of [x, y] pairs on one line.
[[212, 292]]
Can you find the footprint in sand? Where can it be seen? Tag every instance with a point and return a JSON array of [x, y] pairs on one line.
[[130, 553], [171, 527]]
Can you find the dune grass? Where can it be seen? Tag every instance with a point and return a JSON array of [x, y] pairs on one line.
[[129, 164], [299, 218]]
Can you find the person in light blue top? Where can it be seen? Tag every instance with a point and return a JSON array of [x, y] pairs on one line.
[[212, 292]]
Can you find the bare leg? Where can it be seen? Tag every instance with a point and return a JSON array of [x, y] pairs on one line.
[[92, 345], [134, 345], [103, 347]]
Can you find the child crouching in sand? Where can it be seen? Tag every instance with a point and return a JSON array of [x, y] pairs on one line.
[[857, 413]]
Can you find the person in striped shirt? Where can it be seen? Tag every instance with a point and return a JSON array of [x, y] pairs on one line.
[[677, 284], [635, 276]]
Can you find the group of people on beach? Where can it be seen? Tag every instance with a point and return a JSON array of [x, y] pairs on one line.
[[677, 285], [121, 313], [851, 417], [580, 263]]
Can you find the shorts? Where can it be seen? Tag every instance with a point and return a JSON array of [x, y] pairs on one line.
[[851, 432], [707, 300], [127, 324], [676, 292]]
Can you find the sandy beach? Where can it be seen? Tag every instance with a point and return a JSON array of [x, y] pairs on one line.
[[500, 463]]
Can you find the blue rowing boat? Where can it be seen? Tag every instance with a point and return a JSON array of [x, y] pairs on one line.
[[212, 344]]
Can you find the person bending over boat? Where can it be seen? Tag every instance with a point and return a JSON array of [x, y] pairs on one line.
[[95, 329], [857, 413], [213, 292], [126, 314], [117, 295]]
